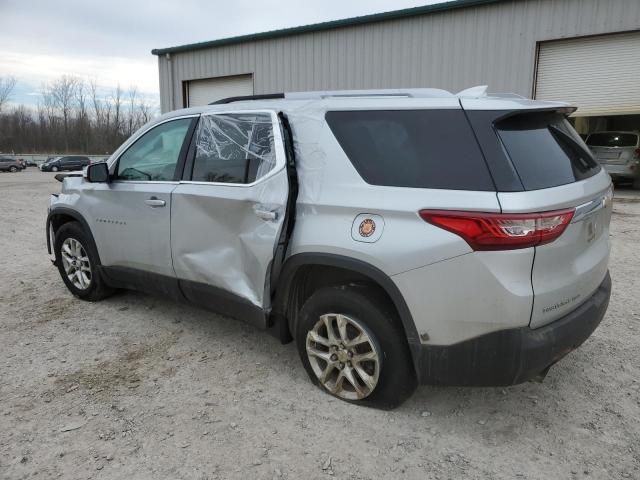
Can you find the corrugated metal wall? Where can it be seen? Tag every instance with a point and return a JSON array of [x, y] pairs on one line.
[[493, 44]]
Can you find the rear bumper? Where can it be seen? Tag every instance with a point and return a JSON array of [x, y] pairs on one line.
[[512, 356], [624, 171]]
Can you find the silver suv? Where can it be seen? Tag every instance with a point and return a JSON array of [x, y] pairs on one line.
[[618, 152], [398, 237]]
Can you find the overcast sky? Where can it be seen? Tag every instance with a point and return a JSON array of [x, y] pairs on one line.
[[111, 40]]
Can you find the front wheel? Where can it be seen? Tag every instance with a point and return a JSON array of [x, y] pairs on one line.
[[54, 169], [13, 169], [78, 262], [352, 346]]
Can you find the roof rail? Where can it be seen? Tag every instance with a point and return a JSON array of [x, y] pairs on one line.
[[268, 96], [395, 92], [380, 93]]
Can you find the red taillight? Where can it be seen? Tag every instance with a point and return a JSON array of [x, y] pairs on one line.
[[636, 154], [501, 231]]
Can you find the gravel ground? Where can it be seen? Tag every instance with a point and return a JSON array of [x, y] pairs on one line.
[[138, 387]]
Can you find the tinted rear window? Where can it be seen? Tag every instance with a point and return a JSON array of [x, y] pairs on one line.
[[546, 150], [412, 148], [612, 139]]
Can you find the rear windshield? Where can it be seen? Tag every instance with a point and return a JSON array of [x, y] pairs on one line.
[[412, 148], [545, 150], [612, 139]]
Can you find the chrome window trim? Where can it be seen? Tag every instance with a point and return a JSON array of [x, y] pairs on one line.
[[165, 182], [278, 144]]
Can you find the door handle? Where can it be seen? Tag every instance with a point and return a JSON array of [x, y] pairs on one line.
[[265, 213], [155, 202]]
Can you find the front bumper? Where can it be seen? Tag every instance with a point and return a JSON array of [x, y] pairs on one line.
[[512, 356]]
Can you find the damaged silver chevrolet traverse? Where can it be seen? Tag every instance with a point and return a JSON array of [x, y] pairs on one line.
[[399, 237]]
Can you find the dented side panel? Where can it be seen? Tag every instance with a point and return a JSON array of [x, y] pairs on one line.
[[218, 239], [224, 234]]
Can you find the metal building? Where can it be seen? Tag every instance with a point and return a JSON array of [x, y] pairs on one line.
[[583, 51]]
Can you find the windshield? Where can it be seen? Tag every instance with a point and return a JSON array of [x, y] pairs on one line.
[[612, 139]]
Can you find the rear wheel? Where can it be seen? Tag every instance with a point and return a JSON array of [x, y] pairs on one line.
[[352, 346], [78, 263], [13, 169]]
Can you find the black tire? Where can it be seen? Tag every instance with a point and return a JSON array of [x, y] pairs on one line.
[[396, 379], [96, 289], [13, 169]]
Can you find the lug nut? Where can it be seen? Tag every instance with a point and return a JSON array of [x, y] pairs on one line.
[[341, 365], [334, 357], [350, 354]]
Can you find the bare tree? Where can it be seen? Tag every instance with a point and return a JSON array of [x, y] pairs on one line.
[[82, 118], [116, 99], [131, 121], [7, 84], [63, 92], [50, 126], [144, 113], [74, 116], [95, 101]]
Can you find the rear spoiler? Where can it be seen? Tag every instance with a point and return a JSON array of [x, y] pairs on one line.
[[566, 111]]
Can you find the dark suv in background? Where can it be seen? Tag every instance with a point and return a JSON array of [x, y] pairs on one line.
[[70, 162]]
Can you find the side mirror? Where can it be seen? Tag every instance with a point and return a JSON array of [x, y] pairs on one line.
[[98, 173]]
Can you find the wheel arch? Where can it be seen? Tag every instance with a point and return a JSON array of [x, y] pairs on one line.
[[287, 299], [58, 216]]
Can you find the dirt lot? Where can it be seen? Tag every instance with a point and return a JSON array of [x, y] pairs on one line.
[[138, 387]]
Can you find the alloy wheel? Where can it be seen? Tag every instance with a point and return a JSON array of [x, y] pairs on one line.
[[76, 264], [344, 356]]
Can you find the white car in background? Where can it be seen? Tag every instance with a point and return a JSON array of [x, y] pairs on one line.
[[618, 153]]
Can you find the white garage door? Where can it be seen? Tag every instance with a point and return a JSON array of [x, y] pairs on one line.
[[203, 92], [600, 75]]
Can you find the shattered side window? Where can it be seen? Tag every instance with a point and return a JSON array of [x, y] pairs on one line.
[[234, 148]]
